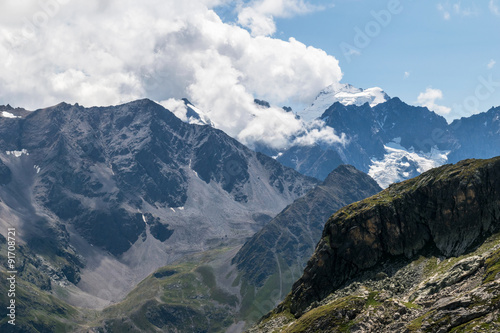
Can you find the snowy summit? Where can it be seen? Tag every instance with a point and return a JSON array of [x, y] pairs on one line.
[[345, 94]]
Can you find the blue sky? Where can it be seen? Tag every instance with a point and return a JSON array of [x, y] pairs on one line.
[[444, 45]]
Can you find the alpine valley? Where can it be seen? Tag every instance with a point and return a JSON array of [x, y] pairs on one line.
[[129, 219]]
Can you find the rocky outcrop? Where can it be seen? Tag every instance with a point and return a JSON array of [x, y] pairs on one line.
[[421, 256], [450, 208]]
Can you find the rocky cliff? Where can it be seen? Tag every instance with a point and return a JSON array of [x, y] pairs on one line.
[[419, 256]]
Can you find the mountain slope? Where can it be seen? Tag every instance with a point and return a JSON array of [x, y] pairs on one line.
[[108, 195], [426, 248], [478, 136], [274, 257], [206, 292]]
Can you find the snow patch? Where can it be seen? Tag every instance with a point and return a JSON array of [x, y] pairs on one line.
[[203, 118], [278, 156], [400, 163], [191, 168], [6, 114], [345, 94], [18, 153]]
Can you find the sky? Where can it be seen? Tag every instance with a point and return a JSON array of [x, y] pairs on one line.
[[222, 54], [444, 50]]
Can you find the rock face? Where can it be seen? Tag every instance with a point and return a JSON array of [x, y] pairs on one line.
[[282, 248], [127, 188], [479, 136], [420, 256], [450, 208]]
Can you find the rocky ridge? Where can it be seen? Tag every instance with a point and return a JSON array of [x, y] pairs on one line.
[[421, 256], [274, 257]]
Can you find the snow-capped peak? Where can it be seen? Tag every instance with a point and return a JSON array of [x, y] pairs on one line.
[[345, 94], [195, 115]]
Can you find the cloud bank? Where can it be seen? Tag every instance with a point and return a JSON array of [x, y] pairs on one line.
[[109, 52]]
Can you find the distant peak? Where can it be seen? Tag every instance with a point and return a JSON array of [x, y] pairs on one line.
[[262, 103], [345, 94], [342, 170]]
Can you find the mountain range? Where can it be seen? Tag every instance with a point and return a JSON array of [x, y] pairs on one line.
[[102, 197], [389, 139], [133, 220]]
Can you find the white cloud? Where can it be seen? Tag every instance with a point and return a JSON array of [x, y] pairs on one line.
[[428, 99], [177, 106], [456, 8], [494, 7], [317, 132], [258, 16], [407, 75], [109, 52], [491, 64]]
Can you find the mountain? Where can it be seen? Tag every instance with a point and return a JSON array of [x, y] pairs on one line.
[[391, 141], [345, 94], [102, 197], [217, 290], [478, 136], [195, 115], [274, 257], [311, 160], [7, 111], [387, 138], [421, 256]]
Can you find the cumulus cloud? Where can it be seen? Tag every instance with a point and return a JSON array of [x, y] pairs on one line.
[[109, 52], [316, 132], [491, 64], [258, 15], [428, 99]]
